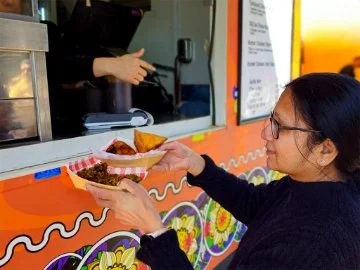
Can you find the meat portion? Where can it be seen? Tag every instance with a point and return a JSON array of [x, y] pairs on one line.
[[120, 148], [99, 174]]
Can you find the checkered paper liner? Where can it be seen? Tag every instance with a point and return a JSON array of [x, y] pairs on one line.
[[91, 161], [103, 155]]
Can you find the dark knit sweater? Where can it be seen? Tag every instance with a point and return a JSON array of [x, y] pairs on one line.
[[291, 225]]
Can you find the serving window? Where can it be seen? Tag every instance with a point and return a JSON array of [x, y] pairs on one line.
[[175, 36]]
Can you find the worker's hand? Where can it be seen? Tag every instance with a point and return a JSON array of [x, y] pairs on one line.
[[127, 68], [179, 157], [132, 205]]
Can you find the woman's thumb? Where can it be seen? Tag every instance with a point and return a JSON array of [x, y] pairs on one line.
[[127, 185], [159, 168], [169, 146]]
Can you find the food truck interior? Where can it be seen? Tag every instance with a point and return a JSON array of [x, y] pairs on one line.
[[175, 35]]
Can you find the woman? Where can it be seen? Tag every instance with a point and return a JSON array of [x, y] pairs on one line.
[[309, 219]]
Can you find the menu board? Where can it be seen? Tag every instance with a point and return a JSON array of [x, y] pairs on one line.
[[265, 41]]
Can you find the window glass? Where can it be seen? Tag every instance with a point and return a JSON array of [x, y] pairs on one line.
[[175, 35], [15, 79], [17, 119]]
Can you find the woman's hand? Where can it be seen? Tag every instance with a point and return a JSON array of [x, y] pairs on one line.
[[127, 68], [132, 205], [180, 157]]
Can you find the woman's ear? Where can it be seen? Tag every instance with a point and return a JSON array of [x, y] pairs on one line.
[[327, 152]]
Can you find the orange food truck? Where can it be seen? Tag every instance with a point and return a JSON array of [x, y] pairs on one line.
[[239, 53]]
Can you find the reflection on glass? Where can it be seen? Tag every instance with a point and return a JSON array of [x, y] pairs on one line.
[[15, 79], [17, 119], [23, 7]]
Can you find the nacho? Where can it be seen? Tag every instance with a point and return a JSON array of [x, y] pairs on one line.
[[120, 148], [145, 142]]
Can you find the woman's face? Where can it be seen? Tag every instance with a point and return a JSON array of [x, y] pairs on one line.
[[289, 153]]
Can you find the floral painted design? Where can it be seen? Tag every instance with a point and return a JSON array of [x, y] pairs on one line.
[[185, 219], [202, 202], [186, 232], [120, 259], [274, 175], [240, 231], [220, 227], [221, 224], [257, 180], [258, 176], [116, 251]]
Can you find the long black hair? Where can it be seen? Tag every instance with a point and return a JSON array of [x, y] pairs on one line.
[[330, 103]]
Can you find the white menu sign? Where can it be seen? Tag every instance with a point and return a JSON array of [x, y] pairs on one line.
[[266, 48]]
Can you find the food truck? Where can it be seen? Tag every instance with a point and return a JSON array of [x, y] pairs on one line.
[[236, 55]]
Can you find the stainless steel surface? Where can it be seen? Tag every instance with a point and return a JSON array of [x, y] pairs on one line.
[[15, 75], [24, 36], [17, 119], [35, 7], [18, 17], [42, 96]]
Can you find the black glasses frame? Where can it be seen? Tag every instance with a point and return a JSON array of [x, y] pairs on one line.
[[276, 127]]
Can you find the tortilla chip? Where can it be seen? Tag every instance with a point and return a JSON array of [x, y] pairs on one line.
[[144, 142], [120, 148]]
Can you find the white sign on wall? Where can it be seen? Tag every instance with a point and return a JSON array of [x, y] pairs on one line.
[[265, 53]]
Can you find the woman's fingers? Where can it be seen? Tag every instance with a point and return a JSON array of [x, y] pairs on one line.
[[129, 186], [169, 146], [104, 203], [111, 198], [160, 167], [100, 193]]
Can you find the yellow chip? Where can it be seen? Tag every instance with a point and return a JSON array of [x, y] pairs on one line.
[[145, 142]]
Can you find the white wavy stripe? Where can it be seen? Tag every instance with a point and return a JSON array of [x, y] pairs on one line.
[[243, 159], [62, 256], [56, 226], [170, 185]]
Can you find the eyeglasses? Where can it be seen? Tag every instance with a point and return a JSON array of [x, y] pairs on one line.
[[276, 127]]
